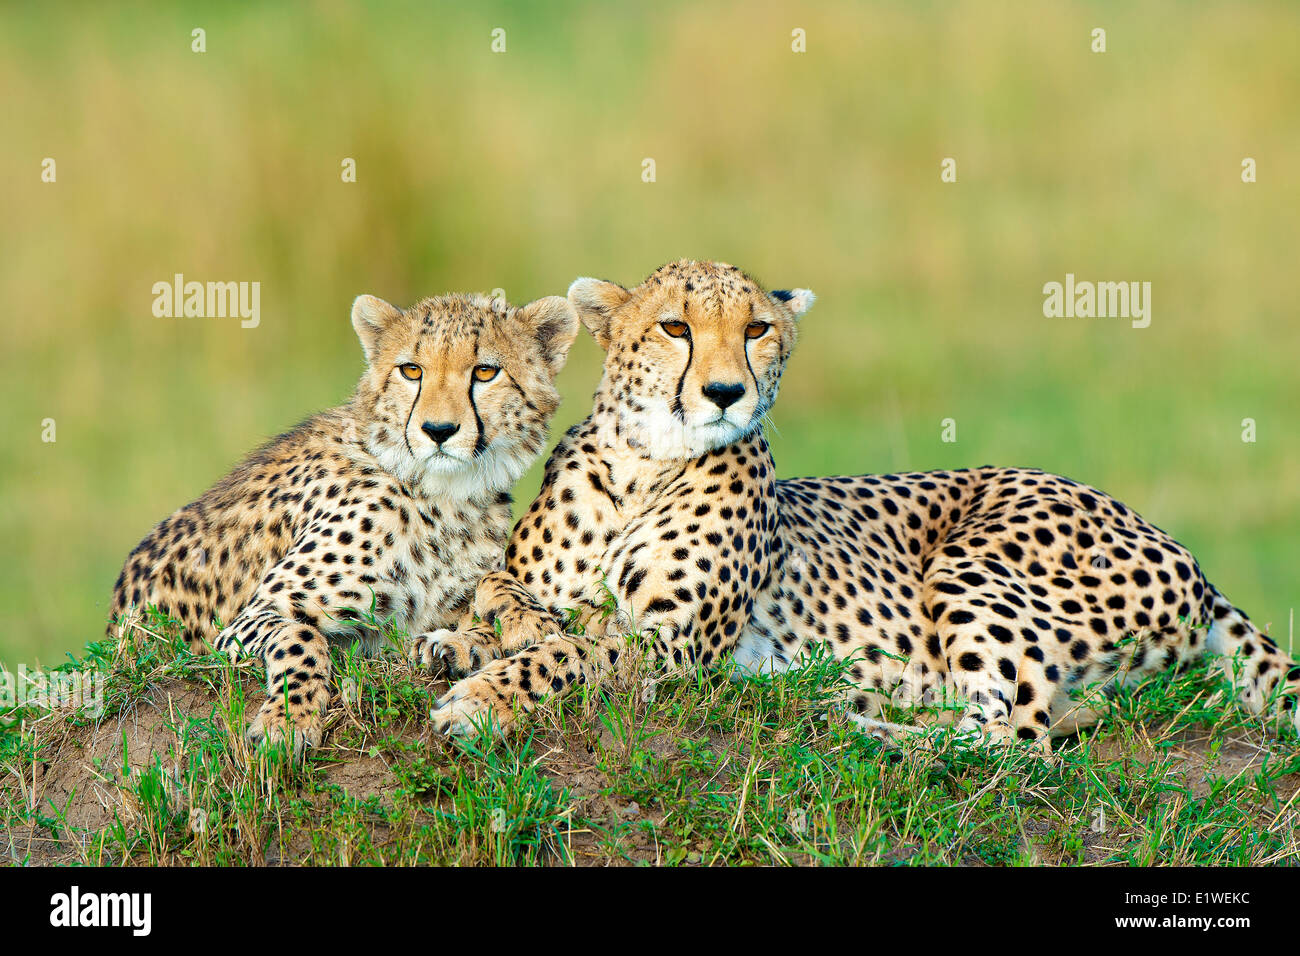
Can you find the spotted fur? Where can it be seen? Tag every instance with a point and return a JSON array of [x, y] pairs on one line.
[[995, 596], [393, 503]]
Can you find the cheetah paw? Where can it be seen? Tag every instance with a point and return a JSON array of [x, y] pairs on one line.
[[471, 705], [274, 724], [449, 653]]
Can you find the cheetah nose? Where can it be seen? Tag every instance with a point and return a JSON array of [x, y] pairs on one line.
[[723, 395], [439, 431]]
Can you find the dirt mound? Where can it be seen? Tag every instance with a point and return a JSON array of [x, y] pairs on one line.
[[81, 768], [706, 772]]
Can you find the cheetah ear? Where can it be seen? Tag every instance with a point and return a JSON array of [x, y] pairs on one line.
[[370, 317], [797, 301], [595, 300], [554, 324]]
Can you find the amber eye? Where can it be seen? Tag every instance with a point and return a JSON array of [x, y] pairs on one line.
[[675, 329], [756, 329], [410, 372], [485, 373]]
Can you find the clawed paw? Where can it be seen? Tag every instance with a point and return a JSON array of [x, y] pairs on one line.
[[448, 653], [471, 705], [301, 727]]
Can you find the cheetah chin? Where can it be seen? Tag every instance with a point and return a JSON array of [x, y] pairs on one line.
[[449, 478], [663, 436]]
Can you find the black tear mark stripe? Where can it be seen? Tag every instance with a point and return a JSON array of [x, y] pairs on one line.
[[744, 345], [419, 388], [480, 442], [678, 408]]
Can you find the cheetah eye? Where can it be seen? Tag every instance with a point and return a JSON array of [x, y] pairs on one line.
[[675, 329], [410, 372], [756, 330], [485, 373]]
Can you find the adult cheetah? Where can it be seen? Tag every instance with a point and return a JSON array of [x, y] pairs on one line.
[[1000, 592], [393, 503]]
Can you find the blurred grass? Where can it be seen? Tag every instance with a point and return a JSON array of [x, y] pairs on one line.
[[522, 171]]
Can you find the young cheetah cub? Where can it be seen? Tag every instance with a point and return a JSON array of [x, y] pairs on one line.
[[395, 502]]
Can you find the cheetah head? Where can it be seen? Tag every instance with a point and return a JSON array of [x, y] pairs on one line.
[[694, 354], [459, 390]]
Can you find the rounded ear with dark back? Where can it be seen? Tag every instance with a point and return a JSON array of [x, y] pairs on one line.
[[595, 300], [371, 316], [554, 324], [797, 301]]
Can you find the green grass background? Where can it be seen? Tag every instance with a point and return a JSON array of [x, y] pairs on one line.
[[523, 170]]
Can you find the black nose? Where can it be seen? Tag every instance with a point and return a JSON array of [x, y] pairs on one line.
[[439, 431], [724, 396]]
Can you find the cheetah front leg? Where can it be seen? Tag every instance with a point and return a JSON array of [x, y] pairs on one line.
[[297, 673], [510, 619], [511, 687], [303, 600]]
